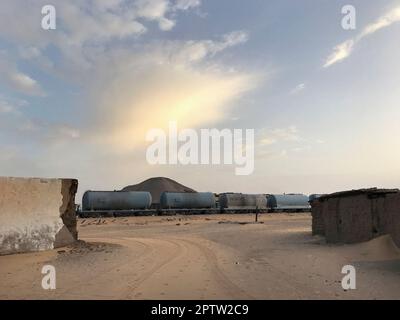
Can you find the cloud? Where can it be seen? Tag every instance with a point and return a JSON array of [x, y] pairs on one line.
[[67, 131], [15, 124], [135, 89], [84, 29], [286, 134], [81, 24], [340, 52], [30, 52], [280, 142], [17, 80], [193, 51], [387, 20], [11, 106], [151, 9], [157, 10], [186, 4], [78, 22], [24, 83], [6, 107], [87, 22], [271, 136], [166, 24], [144, 93], [345, 49], [108, 4], [298, 88]]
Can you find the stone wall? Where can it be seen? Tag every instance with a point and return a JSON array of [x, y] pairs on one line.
[[36, 214]]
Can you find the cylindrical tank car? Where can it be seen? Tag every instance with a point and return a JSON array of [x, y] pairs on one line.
[[288, 202], [115, 200], [187, 200], [239, 201]]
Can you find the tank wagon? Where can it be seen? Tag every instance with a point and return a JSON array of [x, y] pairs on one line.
[[98, 203], [288, 202], [185, 201], [239, 202]]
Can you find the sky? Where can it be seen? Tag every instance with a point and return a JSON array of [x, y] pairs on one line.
[[77, 101]]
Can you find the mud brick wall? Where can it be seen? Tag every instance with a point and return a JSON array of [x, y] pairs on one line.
[[390, 217], [318, 227], [357, 218], [36, 214]]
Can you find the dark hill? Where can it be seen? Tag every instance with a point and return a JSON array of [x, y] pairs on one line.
[[158, 185]]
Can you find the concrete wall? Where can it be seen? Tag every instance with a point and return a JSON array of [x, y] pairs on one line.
[[357, 218], [36, 214]]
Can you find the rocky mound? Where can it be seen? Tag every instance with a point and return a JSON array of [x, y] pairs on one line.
[[156, 186]]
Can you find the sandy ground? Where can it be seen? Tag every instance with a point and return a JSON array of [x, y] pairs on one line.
[[204, 257]]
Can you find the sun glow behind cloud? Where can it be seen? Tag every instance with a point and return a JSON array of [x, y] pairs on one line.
[[135, 103]]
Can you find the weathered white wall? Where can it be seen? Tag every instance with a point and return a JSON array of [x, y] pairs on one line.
[[36, 214]]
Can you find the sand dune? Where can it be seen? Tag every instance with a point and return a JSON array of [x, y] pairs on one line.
[[378, 249]]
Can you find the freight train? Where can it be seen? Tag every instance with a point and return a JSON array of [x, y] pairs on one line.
[[125, 203]]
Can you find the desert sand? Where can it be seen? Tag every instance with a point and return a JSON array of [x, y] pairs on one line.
[[204, 257]]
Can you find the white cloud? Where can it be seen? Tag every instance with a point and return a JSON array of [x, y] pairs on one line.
[[151, 9], [11, 106], [385, 21], [265, 141], [298, 88], [275, 142], [345, 49], [186, 4], [234, 38], [29, 52], [166, 24], [157, 10], [193, 51], [24, 83], [146, 86], [108, 4], [78, 22], [17, 80], [5, 107], [68, 131], [82, 25], [340, 52], [270, 136], [286, 134]]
